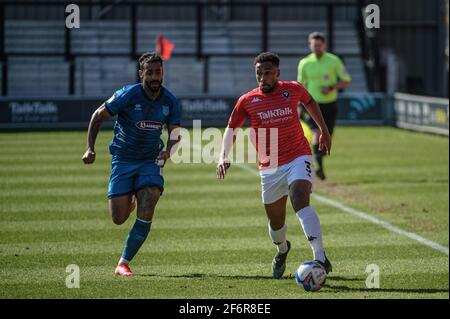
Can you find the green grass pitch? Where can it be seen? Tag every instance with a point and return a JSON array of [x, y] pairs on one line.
[[209, 238]]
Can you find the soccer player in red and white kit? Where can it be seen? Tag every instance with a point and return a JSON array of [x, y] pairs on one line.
[[272, 108]]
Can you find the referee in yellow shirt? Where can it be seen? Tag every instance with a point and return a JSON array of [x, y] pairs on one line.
[[323, 74]]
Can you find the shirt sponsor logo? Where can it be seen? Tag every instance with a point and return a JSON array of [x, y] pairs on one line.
[[148, 125], [275, 113]]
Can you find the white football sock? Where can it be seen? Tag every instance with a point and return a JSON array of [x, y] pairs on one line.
[[311, 227], [279, 238]]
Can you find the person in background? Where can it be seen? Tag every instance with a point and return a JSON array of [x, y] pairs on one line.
[[323, 74]]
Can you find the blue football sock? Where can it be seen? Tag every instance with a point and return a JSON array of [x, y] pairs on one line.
[[136, 238]]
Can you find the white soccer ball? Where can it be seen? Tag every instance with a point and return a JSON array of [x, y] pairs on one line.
[[311, 276]]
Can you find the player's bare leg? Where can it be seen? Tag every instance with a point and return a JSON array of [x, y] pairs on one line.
[[276, 213], [121, 207], [318, 154], [147, 198], [299, 193]]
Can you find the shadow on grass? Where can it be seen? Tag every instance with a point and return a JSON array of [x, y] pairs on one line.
[[212, 276], [331, 279], [338, 287], [338, 278], [342, 288], [257, 277], [374, 290]]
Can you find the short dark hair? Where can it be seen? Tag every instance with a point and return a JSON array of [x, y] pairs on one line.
[[267, 57], [149, 57], [316, 36]]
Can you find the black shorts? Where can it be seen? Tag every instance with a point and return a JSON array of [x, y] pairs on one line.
[[329, 113]]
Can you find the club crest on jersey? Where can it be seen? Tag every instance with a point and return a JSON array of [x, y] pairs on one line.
[[138, 107], [165, 110], [148, 125], [286, 94]]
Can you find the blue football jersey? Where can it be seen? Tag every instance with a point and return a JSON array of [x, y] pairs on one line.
[[139, 123]]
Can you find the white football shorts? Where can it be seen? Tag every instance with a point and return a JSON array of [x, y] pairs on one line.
[[275, 182]]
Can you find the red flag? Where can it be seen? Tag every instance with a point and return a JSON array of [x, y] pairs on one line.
[[164, 47]]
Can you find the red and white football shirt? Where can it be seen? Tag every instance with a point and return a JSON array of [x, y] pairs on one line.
[[276, 110]]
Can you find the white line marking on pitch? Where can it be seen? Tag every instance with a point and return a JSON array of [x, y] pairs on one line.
[[381, 223], [365, 216], [359, 214]]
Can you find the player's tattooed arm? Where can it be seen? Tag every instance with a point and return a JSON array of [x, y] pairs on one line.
[[100, 115], [172, 144], [324, 138]]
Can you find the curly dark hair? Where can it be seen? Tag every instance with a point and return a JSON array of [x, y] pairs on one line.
[[149, 57], [267, 57]]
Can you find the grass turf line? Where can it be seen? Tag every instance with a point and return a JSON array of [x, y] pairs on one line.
[[53, 212]]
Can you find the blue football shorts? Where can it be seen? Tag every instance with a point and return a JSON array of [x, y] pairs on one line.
[[128, 177]]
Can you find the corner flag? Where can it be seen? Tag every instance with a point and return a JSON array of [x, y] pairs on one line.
[[164, 47]]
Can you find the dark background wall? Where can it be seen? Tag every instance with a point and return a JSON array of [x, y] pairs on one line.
[[413, 30]]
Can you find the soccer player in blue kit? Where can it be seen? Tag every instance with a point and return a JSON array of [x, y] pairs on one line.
[[137, 150]]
